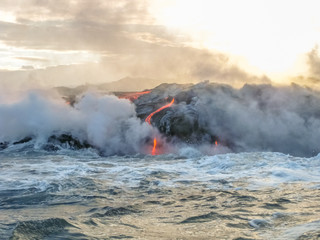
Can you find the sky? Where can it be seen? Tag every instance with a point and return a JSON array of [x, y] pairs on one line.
[[73, 42]]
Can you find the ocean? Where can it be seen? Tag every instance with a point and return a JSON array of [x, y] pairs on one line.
[[73, 194]]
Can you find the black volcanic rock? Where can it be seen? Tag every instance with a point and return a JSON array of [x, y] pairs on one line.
[[3, 145], [252, 118], [24, 140], [65, 140], [54, 143], [181, 120]]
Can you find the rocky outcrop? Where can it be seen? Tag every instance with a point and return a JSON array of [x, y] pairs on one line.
[[55, 142], [181, 120], [252, 118]]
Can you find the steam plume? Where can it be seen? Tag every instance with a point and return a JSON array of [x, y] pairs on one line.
[[107, 123]]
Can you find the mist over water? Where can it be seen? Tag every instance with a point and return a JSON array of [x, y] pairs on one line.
[[261, 117], [106, 122], [253, 118]]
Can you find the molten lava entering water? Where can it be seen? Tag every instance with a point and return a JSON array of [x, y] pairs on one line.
[[154, 146], [148, 120]]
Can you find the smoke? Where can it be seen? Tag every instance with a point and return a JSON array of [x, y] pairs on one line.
[[253, 118], [186, 65], [111, 124], [105, 122], [314, 62], [262, 117]]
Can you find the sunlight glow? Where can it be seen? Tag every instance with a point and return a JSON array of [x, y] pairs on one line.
[[7, 17], [13, 58], [269, 35]]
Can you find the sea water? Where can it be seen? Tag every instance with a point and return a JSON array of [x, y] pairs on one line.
[[80, 195]]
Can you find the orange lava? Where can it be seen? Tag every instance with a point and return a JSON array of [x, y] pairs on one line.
[[154, 146], [148, 119], [133, 96]]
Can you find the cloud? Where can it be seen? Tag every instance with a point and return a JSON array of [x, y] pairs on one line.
[[312, 77], [122, 32], [105, 122], [27, 67], [121, 11], [263, 117], [185, 64], [32, 59], [72, 25], [252, 118], [314, 62]]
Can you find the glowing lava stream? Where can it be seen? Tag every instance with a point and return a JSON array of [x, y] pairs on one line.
[[133, 95], [148, 120], [154, 146]]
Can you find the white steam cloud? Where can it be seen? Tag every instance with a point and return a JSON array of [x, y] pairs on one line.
[[260, 117], [105, 122]]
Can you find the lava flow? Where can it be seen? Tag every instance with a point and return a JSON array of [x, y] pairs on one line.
[[133, 95], [154, 146], [148, 120]]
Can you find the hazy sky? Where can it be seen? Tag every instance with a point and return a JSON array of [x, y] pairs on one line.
[[77, 41], [271, 35]]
